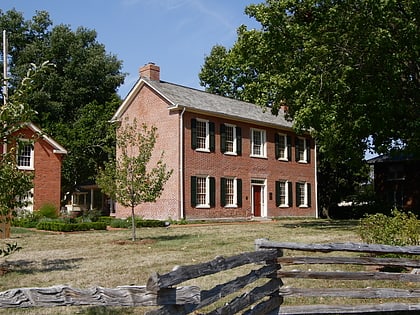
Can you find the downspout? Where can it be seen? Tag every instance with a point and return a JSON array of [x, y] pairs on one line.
[[181, 164], [316, 181]]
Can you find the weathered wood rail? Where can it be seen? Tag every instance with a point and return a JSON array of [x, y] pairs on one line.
[[258, 289], [366, 258]]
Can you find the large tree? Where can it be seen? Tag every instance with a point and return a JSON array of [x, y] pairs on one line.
[[83, 82], [348, 71]]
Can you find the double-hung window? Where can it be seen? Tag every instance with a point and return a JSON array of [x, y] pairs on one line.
[[231, 192], [202, 135], [284, 197], [258, 145], [303, 194], [303, 150], [25, 155], [283, 147], [230, 139], [202, 191]]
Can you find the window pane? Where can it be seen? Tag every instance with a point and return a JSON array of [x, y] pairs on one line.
[[201, 191], [282, 147], [230, 191], [283, 192], [201, 134], [257, 142], [301, 194], [25, 153], [302, 150], [229, 139]]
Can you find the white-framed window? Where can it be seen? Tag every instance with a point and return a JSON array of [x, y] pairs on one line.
[[284, 197], [282, 147], [202, 135], [303, 194], [258, 143], [202, 191], [302, 150], [25, 155], [27, 201], [230, 139], [231, 192]]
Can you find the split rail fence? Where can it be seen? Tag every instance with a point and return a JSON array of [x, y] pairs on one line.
[[254, 284]]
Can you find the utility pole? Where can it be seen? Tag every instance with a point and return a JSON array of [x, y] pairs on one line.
[[5, 53]]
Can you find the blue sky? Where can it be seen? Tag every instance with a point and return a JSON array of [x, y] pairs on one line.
[[174, 34]]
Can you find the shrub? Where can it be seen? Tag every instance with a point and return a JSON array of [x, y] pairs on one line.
[[48, 211], [398, 229], [70, 227], [26, 219], [120, 223]]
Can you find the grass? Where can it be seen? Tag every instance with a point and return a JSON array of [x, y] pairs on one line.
[[110, 259]]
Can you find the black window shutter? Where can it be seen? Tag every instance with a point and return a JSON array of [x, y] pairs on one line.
[[290, 193], [297, 194], [239, 192], [308, 191], [277, 145], [223, 138], [308, 150], [193, 191], [277, 193], [238, 141], [289, 148], [212, 192], [297, 149], [223, 192], [193, 134], [211, 134]]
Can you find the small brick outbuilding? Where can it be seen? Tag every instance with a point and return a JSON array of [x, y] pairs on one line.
[[231, 159]]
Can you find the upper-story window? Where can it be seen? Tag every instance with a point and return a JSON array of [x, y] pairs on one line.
[[202, 135], [25, 155], [258, 145], [202, 191], [231, 192], [303, 150], [230, 139], [303, 194], [283, 147], [284, 197]]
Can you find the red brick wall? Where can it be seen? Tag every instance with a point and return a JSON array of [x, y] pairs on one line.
[[217, 165], [150, 108], [47, 172]]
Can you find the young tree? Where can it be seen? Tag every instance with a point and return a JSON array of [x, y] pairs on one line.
[[130, 179]]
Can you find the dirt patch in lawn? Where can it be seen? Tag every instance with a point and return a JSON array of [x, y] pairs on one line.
[[146, 241]]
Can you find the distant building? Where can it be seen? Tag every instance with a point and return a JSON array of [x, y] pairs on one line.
[[396, 181], [230, 158], [43, 156]]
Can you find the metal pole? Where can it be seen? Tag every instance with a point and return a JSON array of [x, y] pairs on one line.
[[5, 53]]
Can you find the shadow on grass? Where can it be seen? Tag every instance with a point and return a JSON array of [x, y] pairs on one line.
[[323, 224], [46, 265]]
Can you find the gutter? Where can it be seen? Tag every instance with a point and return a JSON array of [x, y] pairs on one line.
[[181, 163], [316, 180]]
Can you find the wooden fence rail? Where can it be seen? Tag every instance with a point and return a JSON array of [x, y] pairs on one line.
[[366, 250], [258, 289]]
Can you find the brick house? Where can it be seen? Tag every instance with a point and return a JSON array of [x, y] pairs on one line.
[[230, 158], [43, 156], [396, 181]]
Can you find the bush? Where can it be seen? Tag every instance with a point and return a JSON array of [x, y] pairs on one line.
[[70, 227], [26, 219], [48, 211], [398, 229]]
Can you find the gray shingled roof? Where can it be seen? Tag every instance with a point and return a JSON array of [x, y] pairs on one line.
[[196, 100]]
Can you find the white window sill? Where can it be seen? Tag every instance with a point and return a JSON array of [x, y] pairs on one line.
[[203, 150], [202, 206], [230, 153], [258, 156], [26, 168], [231, 206]]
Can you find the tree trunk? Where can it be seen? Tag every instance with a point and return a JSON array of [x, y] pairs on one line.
[[133, 225]]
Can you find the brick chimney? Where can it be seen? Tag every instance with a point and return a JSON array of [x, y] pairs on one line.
[[150, 71]]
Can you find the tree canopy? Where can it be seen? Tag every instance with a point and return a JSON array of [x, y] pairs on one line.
[[82, 83], [348, 71]]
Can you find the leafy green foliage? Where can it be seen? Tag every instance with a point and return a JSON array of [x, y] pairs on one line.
[[70, 227], [398, 229], [48, 211], [346, 70], [75, 99], [130, 179]]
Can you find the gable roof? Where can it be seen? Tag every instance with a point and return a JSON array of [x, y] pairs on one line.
[[180, 97], [57, 148]]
